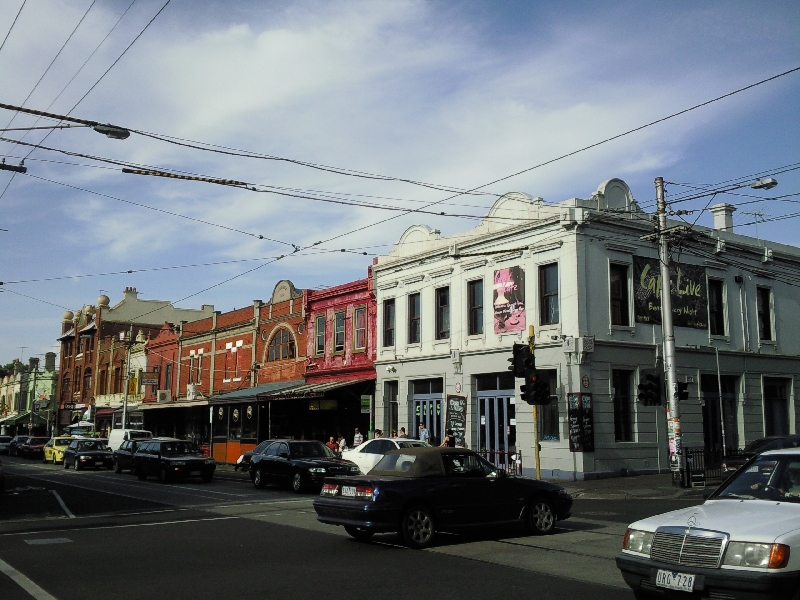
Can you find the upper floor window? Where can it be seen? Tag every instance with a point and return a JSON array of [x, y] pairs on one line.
[[168, 376], [87, 381], [716, 307], [413, 318], [475, 307], [338, 331], [198, 374], [281, 346], [548, 294], [319, 335], [618, 291], [360, 328], [764, 299], [66, 390], [116, 384], [67, 346], [388, 322], [191, 368], [103, 382], [442, 313]]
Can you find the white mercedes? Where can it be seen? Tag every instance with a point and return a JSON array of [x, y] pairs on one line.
[[742, 542], [368, 454]]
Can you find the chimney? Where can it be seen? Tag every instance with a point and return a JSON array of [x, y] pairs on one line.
[[723, 216], [130, 293], [50, 361], [33, 364]]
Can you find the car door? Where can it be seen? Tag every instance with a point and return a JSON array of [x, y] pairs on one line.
[[470, 491], [379, 448], [267, 464], [125, 454], [281, 463], [364, 456]]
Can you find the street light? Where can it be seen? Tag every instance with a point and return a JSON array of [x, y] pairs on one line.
[[112, 131], [767, 183]]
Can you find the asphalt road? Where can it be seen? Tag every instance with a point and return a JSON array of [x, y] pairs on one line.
[[96, 534]]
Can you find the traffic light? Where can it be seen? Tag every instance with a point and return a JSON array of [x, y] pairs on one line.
[[536, 390], [517, 360], [649, 387], [541, 392], [683, 390]]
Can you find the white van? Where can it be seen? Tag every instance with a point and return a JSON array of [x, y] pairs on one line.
[[117, 436]]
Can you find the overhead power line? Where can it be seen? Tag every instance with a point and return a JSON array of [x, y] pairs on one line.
[[14, 22]]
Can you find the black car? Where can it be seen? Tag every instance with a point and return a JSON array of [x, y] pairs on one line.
[[243, 462], [732, 462], [123, 456], [169, 458], [14, 445], [419, 491], [88, 452], [300, 464]]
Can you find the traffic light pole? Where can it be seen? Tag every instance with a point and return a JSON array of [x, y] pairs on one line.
[[532, 346], [677, 459], [128, 345]]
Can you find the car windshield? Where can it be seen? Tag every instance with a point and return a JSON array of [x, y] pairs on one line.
[[399, 463], [772, 478], [310, 450], [91, 445], [758, 445], [178, 448], [35, 441], [412, 444], [139, 435], [61, 442]]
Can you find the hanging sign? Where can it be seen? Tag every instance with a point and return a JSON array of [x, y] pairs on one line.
[[509, 300], [456, 418], [133, 386], [687, 289]]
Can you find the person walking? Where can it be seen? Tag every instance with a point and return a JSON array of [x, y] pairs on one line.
[[402, 432], [378, 434], [449, 440], [358, 439], [332, 444], [342, 444], [423, 433]]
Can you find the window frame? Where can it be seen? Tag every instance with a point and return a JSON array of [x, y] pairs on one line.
[[276, 354], [722, 320], [387, 317], [765, 312], [414, 317], [361, 308], [619, 425], [624, 315], [475, 315], [337, 347], [442, 312], [319, 319], [544, 295]]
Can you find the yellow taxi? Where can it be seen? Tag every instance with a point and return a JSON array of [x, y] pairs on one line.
[[54, 449]]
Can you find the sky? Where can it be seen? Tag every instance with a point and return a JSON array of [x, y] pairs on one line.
[[454, 94]]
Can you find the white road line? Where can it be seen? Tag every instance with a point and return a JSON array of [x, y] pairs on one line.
[[25, 583], [67, 511], [132, 525], [145, 498]]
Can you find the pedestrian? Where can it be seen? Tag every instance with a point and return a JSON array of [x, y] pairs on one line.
[[402, 432], [378, 434], [423, 433], [394, 433], [358, 439], [449, 440], [342, 444], [332, 444]]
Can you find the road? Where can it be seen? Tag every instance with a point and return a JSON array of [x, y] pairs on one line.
[[96, 534]]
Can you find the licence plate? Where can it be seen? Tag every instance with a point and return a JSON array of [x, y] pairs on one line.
[[349, 490], [672, 580], [98, 462], [194, 472]]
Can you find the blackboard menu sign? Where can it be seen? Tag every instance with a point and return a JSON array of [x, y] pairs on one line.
[[581, 422], [457, 418]]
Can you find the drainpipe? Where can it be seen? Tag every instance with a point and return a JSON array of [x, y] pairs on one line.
[[743, 308]]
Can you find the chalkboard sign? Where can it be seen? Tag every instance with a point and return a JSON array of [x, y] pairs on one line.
[[457, 418], [581, 422]]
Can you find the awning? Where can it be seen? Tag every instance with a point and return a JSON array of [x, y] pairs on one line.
[[252, 393], [104, 413], [24, 418], [309, 390], [9, 419], [90, 328], [154, 405], [69, 334]]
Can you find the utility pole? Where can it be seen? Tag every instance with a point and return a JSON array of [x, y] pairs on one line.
[[677, 459], [532, 347], [128, 345]]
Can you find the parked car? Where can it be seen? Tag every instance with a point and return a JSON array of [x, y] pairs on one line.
[[743, 541], [420, 491], [33, 447], [88, 452], [117, 436], [15, 443], [773, 442], [54, 449], [169, 458], [243, 462], [5, 440], [368, 454], [2, 478], [123, 456], [299, 464]]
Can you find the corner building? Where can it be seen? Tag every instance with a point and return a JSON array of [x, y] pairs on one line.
[[450, 308]]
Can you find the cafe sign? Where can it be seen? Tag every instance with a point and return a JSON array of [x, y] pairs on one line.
[[688, 291]]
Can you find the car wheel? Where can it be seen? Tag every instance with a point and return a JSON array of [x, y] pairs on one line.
[[362, 535], [298, 485], [163, 476], [77, 465], [258, 479], [141, 474], [417, 528], [66, 464], [541, 518], [55, 462]]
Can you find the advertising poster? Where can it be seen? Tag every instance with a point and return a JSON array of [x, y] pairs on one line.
[[509, 300], [688, 291]]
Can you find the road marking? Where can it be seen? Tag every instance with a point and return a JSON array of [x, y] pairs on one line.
[[67, 511], [177, 522], [25, 583], [44, 541]]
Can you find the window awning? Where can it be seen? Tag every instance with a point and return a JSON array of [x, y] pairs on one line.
[[252, 393], [309, 390], [24, 418], [67, 335]]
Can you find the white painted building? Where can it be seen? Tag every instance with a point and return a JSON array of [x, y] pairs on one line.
[[450, 308]]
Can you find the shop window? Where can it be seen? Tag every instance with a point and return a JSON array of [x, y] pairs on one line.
[[66, 388], [623, 405], [618, 291], [716, 307], [319, 335], [764, 299], [338, 331], [776, 406], [388, 322], [153, 388], [442, 313], [360, 318], [427, 386], [413, 318], [475, 307], [249, 422], [282, 346], [390, 390], [548, 294]]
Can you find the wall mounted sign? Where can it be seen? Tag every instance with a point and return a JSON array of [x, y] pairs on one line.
[[456, 417], [580, 416], [687, 289], [458, 387], [585, 381], [509, 300]]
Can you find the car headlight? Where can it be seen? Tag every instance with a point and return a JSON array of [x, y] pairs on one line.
[[317, 470], [82, 457], [749, 554], [638, 541], [179, 463], [210, 461]]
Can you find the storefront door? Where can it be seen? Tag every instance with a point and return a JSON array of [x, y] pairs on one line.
[[496, 416], [428, 408]]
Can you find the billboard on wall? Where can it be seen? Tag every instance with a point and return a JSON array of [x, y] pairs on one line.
[[687, 288], [509, 300]]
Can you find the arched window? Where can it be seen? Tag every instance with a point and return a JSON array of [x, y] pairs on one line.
[[87, 382], [66, 384], [281, 346]]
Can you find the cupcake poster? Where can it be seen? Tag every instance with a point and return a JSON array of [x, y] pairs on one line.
[[509, 300]]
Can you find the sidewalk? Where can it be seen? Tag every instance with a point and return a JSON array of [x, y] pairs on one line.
[[638, 486]]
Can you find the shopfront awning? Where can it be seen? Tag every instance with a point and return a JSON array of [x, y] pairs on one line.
[[155, 405], [105, 413], [309, 390], [252, 393], [8, 420], [24, 418]]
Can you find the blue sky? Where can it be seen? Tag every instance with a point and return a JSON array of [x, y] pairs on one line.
[[452, 93]]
